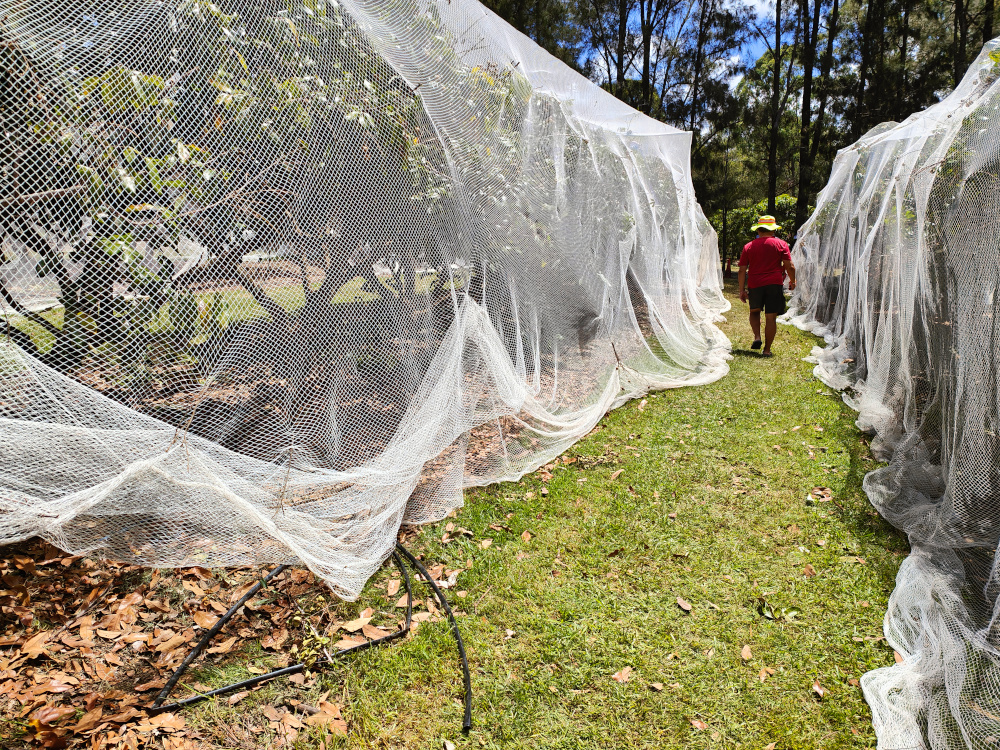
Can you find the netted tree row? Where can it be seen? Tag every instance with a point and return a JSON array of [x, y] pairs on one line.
[[279, 275], [899, 270]]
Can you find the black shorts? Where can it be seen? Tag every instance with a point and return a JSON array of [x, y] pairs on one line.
[[771, 298]]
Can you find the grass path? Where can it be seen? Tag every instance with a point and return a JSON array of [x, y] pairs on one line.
[[709, 507]]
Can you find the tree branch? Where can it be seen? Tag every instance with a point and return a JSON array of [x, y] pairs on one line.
[[24, 312], [45, 195]]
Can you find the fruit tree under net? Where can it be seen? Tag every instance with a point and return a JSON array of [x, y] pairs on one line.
[[899, 269], [278, 276]]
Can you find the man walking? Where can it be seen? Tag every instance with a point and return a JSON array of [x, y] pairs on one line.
[[763, 265]]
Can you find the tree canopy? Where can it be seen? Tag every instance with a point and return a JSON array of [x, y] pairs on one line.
[[771, 96]]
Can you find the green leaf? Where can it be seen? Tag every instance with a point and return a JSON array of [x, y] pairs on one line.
[[154, 174]]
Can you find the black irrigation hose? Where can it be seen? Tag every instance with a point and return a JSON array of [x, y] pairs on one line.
[[467, 678], [207, 638], [293, 669]]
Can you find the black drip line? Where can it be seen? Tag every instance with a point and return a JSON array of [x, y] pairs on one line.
[[158, 704]]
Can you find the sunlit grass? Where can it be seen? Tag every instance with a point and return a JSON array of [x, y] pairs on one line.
[[596, 587]]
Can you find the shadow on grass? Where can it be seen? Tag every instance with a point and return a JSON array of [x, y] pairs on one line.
[[855, 509]]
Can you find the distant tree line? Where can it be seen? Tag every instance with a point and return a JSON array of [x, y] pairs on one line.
[[770, 97]]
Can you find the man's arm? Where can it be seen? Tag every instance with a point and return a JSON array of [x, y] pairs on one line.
[[742, 283], [789, 268]]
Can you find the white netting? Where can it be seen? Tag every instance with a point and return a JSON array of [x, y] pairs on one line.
[[280, 274], [898, 269]]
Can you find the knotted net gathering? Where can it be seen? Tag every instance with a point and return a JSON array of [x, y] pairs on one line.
[[278, 276], [899, 270]]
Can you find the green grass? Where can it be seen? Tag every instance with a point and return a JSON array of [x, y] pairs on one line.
[[234, 305], [596, 587]]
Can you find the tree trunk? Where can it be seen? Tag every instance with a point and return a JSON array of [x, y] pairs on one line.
[[904, 43], [725, 204], [826, 66], [809, 40], [961, 39], [989, 9], [880, 79], [622, 35], [699, 59], [772, 155], [860, 123], [647, 17]]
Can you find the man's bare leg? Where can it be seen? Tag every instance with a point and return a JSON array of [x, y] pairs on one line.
[[770, 329], [755, 324]]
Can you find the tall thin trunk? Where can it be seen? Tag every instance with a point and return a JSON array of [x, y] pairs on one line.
[[860, 123], [879, 79], [622, 34], [725, 205], [809, 40], [989, 10], [646, 105], [961, 39], [649, 11], [826, 66], [772, 155], [699, 58], [903, 44]]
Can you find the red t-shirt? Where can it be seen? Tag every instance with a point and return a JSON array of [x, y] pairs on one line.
[[763, 256]]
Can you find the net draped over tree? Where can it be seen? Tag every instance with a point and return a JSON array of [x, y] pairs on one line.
[[278, 276], [898, 268]]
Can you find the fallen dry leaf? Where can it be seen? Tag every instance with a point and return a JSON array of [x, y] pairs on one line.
[[167, 721], [393, 588], [657, 686], [683, 604], [485, 543], [623, 676], [526, 536], [352, 641], [52, 714], [819, 689], [355, 625], [809, 571], [698, 724], [35, 646], [328, 716], [223, 648], [616, 474], [204, 619], [172, 643], [275, 639], [373, 632], [89, 720], [746, 654]]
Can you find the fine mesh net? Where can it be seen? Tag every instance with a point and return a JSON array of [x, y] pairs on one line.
[[280, 275], [899, 269]]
